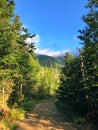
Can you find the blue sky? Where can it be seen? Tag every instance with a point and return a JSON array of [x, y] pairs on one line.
[[54, 21]]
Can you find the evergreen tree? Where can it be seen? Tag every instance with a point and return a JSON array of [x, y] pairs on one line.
[[6, 40], [18, 67], [89, 38]]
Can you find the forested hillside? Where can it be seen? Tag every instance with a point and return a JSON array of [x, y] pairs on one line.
[[55, 62]]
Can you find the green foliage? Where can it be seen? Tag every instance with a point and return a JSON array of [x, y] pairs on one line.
[[6, 85], [79, 77], [28, 105], [20, 72], [48, 81], [48, 61], [80, 122], [21, 76], [89, 40], [6, 125], [15, 98], [18, 67], [17, 114]]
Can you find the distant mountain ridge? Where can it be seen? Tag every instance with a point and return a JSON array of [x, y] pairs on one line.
[[48, 61]]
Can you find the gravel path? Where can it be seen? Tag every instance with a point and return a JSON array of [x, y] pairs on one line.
[[45, 116]]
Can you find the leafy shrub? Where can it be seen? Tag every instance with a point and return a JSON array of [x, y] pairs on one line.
[[79, 121], [28, 105], [17, 114], [5, 125]]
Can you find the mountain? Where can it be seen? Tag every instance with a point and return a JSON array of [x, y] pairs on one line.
[[48, 61]]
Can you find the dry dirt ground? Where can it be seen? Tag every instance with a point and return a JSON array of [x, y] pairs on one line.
[[45, 116]]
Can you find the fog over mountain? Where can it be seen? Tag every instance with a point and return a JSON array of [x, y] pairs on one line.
[[51, 53]]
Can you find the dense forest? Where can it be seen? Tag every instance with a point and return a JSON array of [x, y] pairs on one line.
[[22, 78], [79, 77]]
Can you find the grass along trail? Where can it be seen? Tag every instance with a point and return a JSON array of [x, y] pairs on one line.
[[45, 116]]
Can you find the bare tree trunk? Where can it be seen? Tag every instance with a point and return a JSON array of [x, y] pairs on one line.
[[21, 88], [3, 94], [82, 65]]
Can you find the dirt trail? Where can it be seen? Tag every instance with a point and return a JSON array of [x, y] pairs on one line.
[[45, 116]]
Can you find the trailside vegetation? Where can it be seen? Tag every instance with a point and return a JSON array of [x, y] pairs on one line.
[[79, 77], [22, 79]]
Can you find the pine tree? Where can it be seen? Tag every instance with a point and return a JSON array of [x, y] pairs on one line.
[[6, 38], [16, 60], [89, 38]]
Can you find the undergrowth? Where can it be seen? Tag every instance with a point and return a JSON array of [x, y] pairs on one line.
[[28, 105], [17, 113], [80, 122], [6, 125]]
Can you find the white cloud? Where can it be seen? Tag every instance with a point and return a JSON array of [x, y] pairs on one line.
[[35, 39], [50, 52], [75, 52], [28, 40]]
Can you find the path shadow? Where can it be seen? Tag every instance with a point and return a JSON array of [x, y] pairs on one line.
[[46, 116]]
